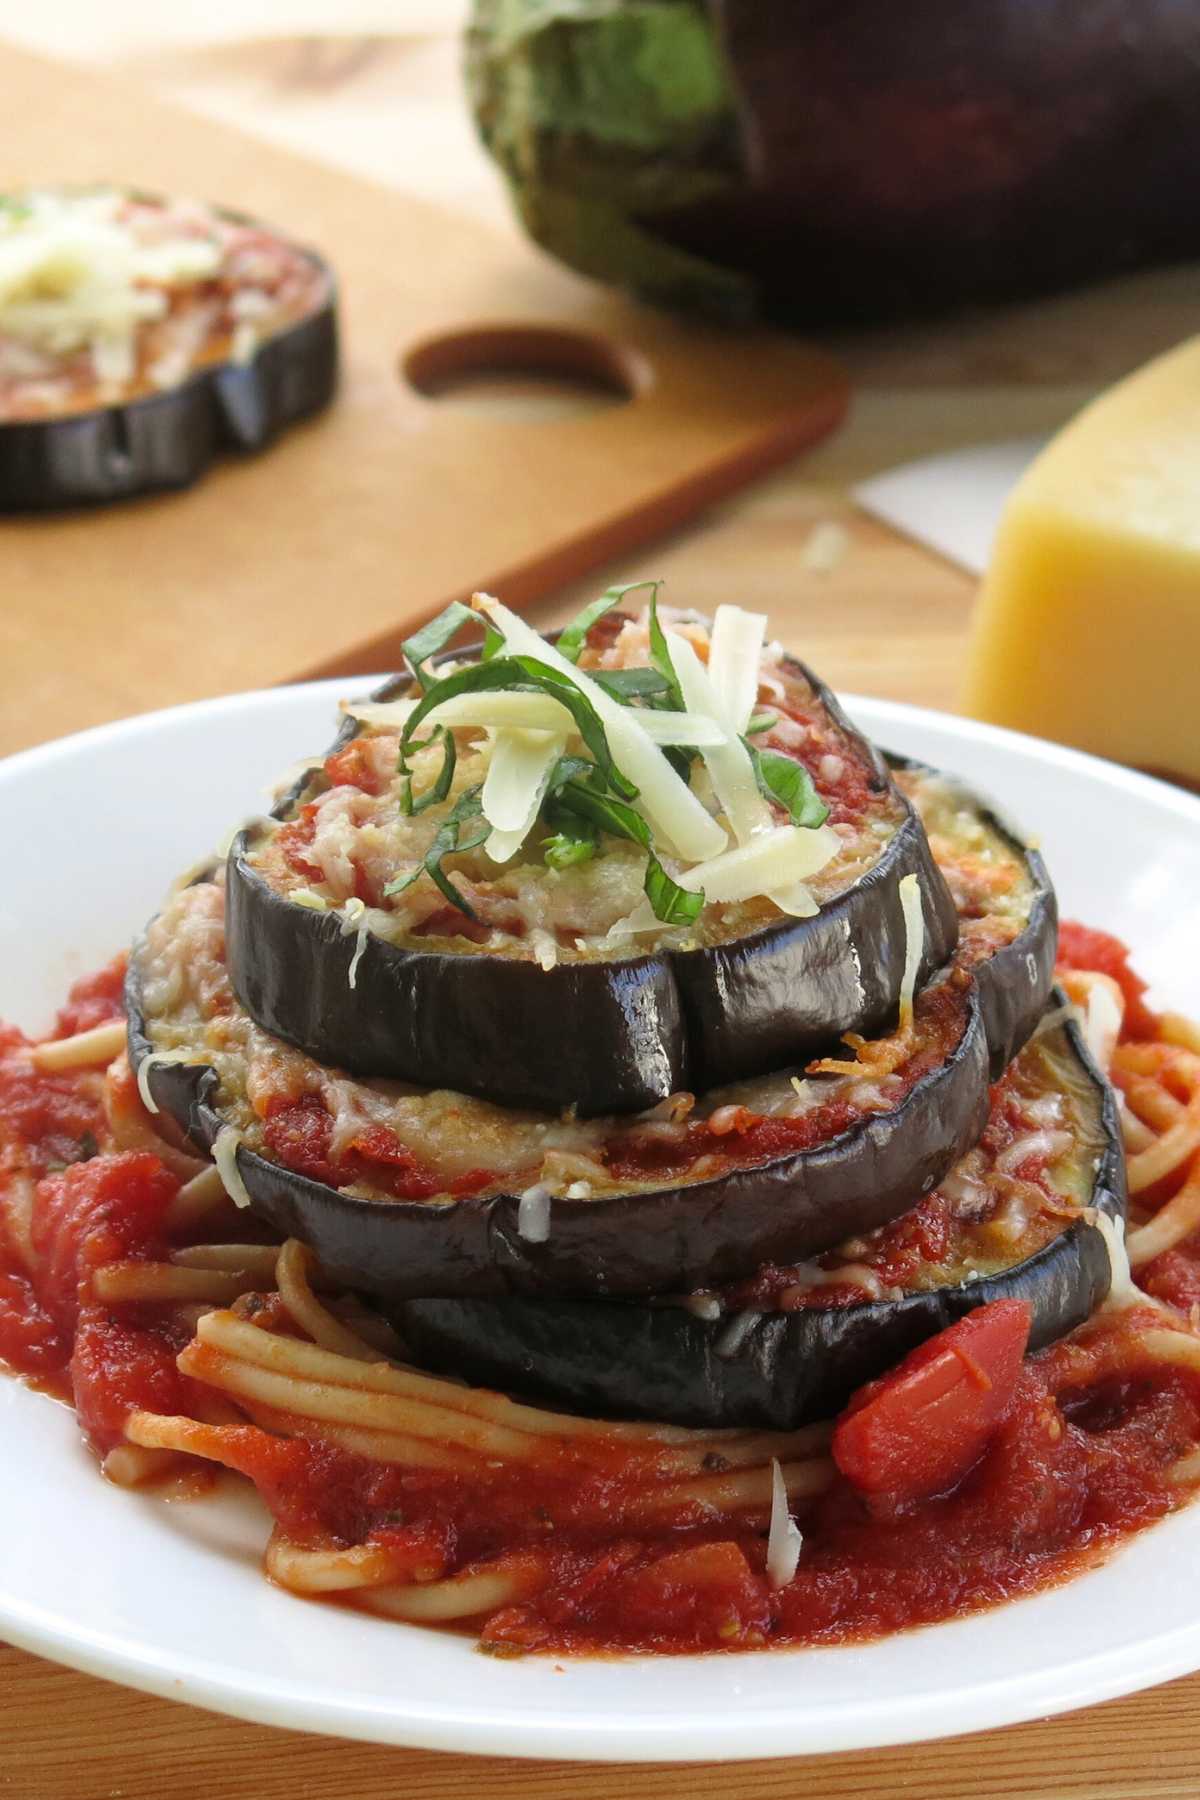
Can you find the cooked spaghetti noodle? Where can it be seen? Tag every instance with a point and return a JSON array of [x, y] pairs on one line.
[[186, 1341]]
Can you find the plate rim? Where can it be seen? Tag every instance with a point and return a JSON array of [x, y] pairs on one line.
[[284, 1701]]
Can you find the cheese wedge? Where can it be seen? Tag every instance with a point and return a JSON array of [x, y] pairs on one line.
[[1088, 625]]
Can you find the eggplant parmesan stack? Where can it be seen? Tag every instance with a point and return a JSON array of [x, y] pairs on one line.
[[140, 335], [632, 1033], [562, 965]]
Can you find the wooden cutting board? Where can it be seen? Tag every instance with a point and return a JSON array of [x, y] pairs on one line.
[[319, 555]]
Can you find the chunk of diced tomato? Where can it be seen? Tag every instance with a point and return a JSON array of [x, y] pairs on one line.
[[919, 1430]]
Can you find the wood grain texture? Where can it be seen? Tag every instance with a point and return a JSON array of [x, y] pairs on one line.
[[887, 619], [324, 552], [126, 1746]]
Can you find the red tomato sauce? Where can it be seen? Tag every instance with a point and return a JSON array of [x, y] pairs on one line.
[[1081, 947], [1069, 1467], [933, 1233]]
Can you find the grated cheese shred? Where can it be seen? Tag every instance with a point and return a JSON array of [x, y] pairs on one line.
[[784, 1540], [224, 1153]]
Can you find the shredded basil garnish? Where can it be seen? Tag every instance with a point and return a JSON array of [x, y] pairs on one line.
[[631, 684], [672, 904], [574, 841], [445, 776], [660, 655], [525, 674], [790, 784], [573, 637], [761, 722], [435, 636], [449, 841]]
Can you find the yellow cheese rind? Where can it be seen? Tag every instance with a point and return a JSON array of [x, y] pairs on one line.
[[1088, 625]]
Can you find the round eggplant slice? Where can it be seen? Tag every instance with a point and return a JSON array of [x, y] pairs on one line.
[[1000, 886], [595, 1032], [635, 1230], [779, 1368], [165, 430]]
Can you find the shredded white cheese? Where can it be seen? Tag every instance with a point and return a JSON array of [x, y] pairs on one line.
[[734, 654], [784, 1540], [826, 545], [501, 709], [515, 785], [354, 923], [157, 1059], [735, 1333], [533, 1214], [75, 276], [729, 766], [675, 815], [224, 1154], [772, 863], [1103, 1019], [914, 944], [703, 1306], [797, 901], [1122, 1289]]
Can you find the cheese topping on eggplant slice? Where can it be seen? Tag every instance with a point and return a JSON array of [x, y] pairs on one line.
[[492, 823], [107, 296], [191, 1013]]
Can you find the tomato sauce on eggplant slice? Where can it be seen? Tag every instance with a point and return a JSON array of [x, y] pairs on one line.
[[443, 1193], [602, 1029], [791, 1344], [1007, 910]]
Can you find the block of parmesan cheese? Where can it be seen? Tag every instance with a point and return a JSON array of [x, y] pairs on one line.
[[1088, 626]]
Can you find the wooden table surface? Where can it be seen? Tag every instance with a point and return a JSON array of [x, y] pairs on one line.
[[886, 618]]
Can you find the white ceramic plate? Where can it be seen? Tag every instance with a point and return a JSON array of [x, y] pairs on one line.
[[170, 1598]]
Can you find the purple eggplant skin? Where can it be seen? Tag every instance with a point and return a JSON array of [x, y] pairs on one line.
[[602, 1037], [664, 1240], [1016, 980], [784, 1369], [899, 161], [168, 440]]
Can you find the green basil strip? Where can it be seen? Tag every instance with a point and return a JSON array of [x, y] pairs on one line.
[[672, 904], [441, 786], [575, 839], [573, 768], [493, 642], [660, 656], [790, 784], [631, 684], [524, 674], [573, 637], [448, 841], [761, 722], [681, 759], [435, 636]]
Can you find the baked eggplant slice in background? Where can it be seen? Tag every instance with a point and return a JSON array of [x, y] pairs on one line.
[[140, 336], [1015, 1219], [514, 933], [402, 1190], [1007, 910]]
